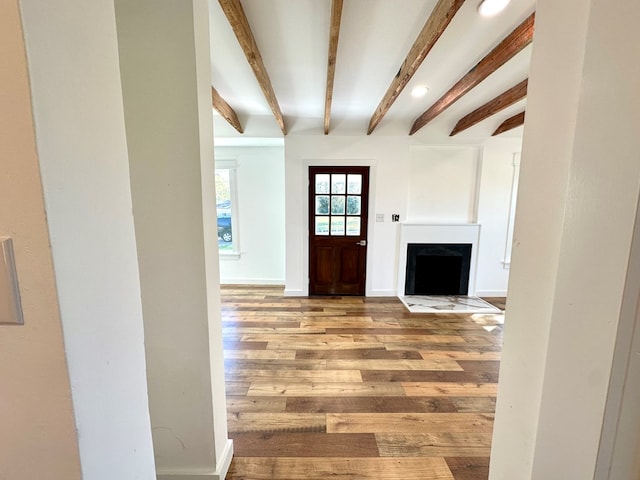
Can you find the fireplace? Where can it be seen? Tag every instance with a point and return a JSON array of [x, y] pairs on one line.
[[438, 269], [442, 240]]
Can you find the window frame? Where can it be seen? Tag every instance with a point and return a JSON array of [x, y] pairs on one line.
[[506, 263], [231, 165]]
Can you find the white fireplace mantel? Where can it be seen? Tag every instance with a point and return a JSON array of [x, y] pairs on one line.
[[414, 232]]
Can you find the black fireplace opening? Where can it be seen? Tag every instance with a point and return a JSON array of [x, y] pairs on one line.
[[438, 269]]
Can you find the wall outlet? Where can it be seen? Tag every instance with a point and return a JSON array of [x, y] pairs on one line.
[[379, 217]]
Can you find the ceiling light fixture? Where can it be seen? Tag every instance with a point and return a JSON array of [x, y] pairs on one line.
[[419, 91], [488, 8]]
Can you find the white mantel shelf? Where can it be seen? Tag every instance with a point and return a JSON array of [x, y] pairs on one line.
[[422, 232], [432, 224]]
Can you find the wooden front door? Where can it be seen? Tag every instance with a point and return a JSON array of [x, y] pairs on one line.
[[338, 208]]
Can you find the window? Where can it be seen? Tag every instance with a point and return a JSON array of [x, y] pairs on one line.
[[512, 210], [338, 201], [226, 207]]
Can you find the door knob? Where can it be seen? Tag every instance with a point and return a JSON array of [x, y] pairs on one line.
[[362, 243]]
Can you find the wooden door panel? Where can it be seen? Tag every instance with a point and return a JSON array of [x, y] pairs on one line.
[[338, 213], [349, 263], [324, 265]]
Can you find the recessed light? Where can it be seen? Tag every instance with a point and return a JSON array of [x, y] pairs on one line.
[[419, 91], [489, 8]]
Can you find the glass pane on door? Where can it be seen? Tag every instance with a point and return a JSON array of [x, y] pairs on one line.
[[337, 205], [322, 225], [337, 225], [322, 204], [338, 183], [354, 183], [322, 183], [353, 205], [353, 226]]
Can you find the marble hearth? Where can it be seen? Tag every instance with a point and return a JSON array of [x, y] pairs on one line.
[[447, 304]]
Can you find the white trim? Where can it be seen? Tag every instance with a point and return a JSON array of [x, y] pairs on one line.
[[411, 232], [226, 162], [252, 281], [188, 476], [219, 474], [476, 187], [434, 224], [491, 293], [231, 164], [382, 293], [512, 210], [294, 292], [229, 255], [225, 460]]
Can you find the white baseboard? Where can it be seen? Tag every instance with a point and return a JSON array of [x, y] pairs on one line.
[[225, 460], [298, 292], [491, 293], [294, 292], [252, 281], [382, 293], [219, 474]]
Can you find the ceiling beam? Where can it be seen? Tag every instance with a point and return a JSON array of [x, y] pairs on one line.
[[502, 101], [509, 124], [506, 49], [224, 109], [435, 25], [240, 25], [334, 34]]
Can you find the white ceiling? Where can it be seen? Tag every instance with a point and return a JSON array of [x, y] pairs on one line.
[[375, 37]]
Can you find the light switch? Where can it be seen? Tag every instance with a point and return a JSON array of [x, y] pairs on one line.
[[379, 217], [10, 307]]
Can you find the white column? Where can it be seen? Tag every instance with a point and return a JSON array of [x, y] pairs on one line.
[[165, 68], [577, 202], [79, 121]]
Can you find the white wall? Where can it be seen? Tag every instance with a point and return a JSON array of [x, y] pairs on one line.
[[261, 207], [37, 433], [428, 183], [164, 55], [493, 214], [577, 204], [443, 184], [389, 158], [79, 122]]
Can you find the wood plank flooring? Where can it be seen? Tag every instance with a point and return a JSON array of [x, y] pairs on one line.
[[356, 388]]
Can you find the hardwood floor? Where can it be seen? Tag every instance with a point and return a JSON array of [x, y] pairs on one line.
[[356, 388]]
